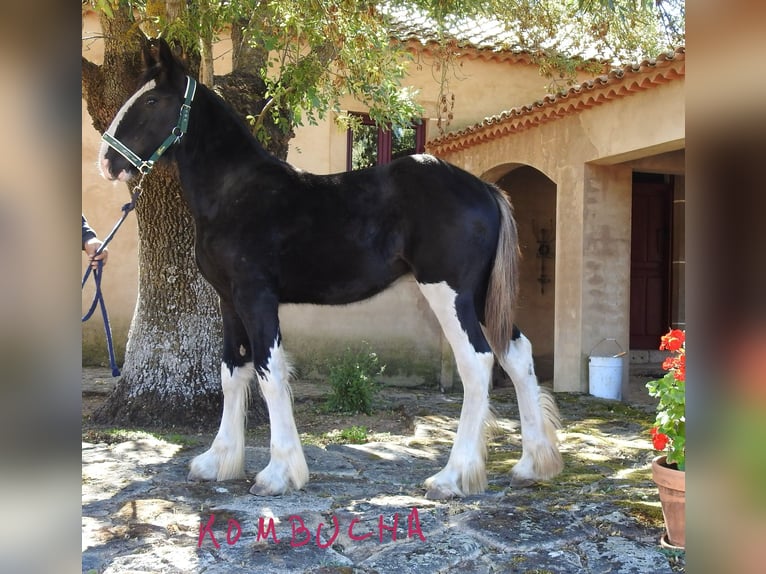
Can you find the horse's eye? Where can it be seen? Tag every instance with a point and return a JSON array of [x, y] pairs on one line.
[[151, 100]]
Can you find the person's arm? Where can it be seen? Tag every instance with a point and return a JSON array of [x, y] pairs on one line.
[[91, 243], [87, 232]]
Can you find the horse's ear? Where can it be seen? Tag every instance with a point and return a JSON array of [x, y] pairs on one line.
[[147, 51], [158, 53], [161, 64], [165, 55]]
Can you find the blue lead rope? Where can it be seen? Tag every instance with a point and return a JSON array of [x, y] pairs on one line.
[[98, 299]]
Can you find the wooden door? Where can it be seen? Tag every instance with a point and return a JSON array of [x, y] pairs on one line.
[[650, 263]]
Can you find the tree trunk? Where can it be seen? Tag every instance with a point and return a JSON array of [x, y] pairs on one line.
[[171, 374], [245, 90], [206, 64]]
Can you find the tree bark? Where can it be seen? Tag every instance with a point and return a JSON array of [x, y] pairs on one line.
[[245, 89], [171, 374], [206, 63]]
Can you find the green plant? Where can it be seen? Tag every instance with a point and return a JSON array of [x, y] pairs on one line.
[[669, 431], [352, 381], [354, 435]]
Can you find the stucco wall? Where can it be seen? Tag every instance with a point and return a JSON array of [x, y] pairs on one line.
[[481, 88], [397, 323], [583, 158], [589, 156], [606, 261]]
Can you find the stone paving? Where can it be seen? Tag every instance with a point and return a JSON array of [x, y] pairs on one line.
[[139, 513]]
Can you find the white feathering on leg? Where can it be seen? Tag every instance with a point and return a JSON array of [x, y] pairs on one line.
[[225, 459], [465, 472], [287, 468], [540, 459]]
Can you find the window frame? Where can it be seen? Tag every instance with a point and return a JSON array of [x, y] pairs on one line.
[[385, 140]]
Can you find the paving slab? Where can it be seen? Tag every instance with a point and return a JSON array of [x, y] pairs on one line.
[[364, 510]]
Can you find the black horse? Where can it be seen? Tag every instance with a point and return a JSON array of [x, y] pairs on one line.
[[268, 233]]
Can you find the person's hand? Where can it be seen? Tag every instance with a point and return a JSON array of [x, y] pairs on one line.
[[91, 246]]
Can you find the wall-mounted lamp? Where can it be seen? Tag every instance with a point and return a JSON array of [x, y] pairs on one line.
[[545, 238]]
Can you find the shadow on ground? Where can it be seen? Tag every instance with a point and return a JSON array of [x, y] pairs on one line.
[[364, 509]]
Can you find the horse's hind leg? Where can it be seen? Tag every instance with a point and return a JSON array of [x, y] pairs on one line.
[[225, 459], [465, 472], [540, 459]]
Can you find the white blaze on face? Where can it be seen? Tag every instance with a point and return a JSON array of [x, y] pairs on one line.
[[102, 162]]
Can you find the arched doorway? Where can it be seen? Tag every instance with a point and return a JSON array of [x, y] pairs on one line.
[[534, 200]]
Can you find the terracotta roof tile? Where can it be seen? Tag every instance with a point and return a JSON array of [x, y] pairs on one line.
[[480, 33], [487, 37], [617, 83]]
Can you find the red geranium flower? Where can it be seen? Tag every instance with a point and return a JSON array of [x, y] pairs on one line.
[[681, 368], [673, 340], [659, 440], [669, 432], [669, 363]]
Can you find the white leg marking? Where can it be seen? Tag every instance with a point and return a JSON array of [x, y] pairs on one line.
[[225, 460], [465, 472], [287, 468], [540, 458]]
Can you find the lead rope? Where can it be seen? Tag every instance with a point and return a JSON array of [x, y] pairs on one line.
[[98, 299]]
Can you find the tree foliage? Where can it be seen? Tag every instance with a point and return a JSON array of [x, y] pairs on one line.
[[316, 52]]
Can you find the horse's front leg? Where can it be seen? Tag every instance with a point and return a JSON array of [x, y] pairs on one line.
[[287, 469], [225, 459]]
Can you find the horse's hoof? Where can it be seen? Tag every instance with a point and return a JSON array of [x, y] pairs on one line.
[[436, 493], [261, 490], [522, 482], [203, 467], [198, 473]]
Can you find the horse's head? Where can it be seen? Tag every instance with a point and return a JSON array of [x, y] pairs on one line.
[[147, 122]]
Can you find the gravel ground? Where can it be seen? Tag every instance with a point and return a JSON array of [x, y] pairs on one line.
[[139, 514]]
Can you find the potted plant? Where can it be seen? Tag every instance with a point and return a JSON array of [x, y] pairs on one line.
[[669, 437]]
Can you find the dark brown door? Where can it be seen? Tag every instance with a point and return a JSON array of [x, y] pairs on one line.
[[650, 261]]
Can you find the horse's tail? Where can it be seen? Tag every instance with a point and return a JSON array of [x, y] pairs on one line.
[[503, 285]]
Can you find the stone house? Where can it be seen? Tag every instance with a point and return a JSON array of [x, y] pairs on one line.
[[596, 176]]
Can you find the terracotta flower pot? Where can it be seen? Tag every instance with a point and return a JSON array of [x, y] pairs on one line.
[[672, 486]]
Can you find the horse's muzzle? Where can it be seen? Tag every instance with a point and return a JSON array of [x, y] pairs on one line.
[[106, 172]]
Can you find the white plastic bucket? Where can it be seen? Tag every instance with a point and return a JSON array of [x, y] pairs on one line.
[[605, 374]]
